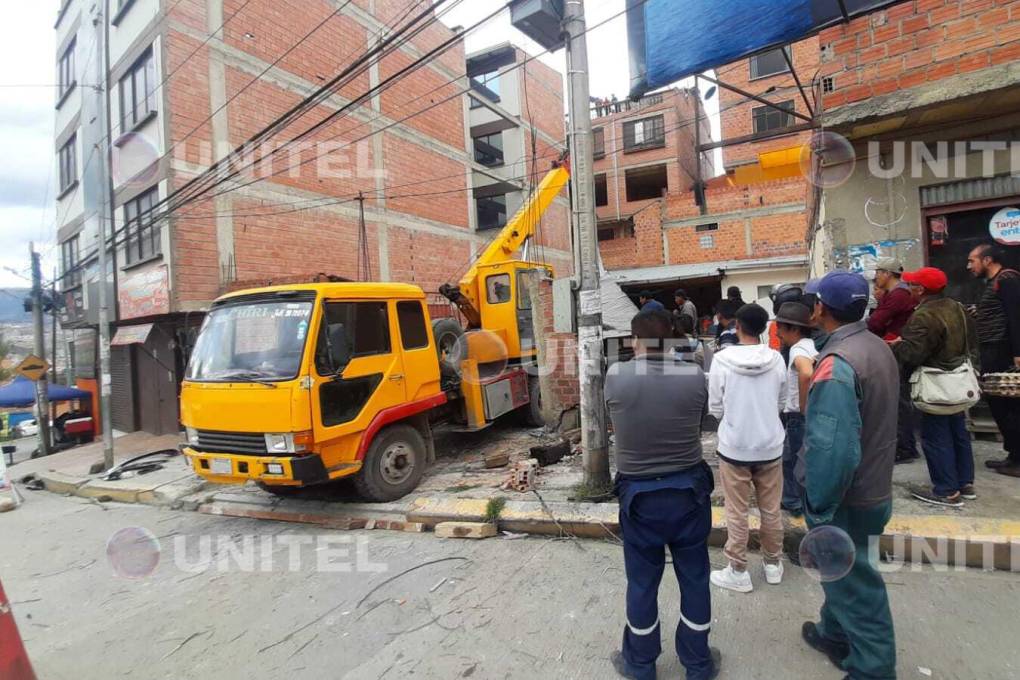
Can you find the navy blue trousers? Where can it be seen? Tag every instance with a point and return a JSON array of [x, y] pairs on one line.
[[651, 521], [792, 490], [946, 444]]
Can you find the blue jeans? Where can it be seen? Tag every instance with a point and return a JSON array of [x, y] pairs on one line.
[[792, 490], [946, 445]]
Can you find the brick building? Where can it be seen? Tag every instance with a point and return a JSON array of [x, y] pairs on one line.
[[643, 152], [192, 80], [926, 95], [750, 229]]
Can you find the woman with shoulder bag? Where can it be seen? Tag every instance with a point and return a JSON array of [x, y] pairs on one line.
[[939, 347]]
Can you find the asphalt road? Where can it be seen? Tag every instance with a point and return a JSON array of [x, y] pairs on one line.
[[279, 603]]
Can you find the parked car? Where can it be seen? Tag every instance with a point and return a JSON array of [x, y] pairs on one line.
[[27, 428]]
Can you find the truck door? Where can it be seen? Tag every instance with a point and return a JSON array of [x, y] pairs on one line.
[[525, 318], [358, 371]]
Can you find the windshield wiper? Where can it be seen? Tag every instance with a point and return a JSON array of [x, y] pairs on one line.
[[251, 377]]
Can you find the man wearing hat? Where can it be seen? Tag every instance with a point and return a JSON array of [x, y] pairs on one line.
[[940, 334], [893, 311], [793, 327], [850, 445], [684, 307], [648, 303]]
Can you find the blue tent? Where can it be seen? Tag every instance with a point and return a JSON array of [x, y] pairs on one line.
[[20, 393]]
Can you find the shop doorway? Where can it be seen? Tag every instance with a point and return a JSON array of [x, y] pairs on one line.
[[965, 228]]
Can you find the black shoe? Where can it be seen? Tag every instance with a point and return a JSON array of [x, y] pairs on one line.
[[620, 664], [1011, 470], [835, 650], [926, 496], [908, 458], [1000, 463], [716, 662]]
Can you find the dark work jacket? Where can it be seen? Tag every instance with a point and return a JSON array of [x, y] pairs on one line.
[[878, 388], [938, 335]]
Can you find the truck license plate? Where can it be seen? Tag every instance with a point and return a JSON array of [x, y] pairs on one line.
[[221, 466]]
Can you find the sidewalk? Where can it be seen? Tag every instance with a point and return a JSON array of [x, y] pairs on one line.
[[459, 487]]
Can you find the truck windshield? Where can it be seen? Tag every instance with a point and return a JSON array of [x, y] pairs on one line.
[[251, 342]]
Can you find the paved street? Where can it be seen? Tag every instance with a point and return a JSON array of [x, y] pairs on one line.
[[525, 608]]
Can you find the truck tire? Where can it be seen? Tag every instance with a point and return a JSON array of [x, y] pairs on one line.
[[450, 347], [531, 413], [393, 465]]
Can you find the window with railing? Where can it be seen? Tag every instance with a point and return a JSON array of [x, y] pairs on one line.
[[647, 133], [487, 85], [489, 149]]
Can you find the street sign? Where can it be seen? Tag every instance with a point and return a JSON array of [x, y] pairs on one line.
[[33, 367]]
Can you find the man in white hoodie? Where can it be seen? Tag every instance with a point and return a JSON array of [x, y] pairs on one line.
[[745, 391]]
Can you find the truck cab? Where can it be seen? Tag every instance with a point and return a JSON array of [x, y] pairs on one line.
[[295, 385]]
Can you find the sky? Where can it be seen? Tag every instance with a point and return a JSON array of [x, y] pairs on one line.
[[27, 98], [27, 57]]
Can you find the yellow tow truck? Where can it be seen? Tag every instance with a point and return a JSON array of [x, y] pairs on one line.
[[301, 384]]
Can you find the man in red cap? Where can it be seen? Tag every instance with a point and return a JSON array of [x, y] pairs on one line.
[[941, 335]]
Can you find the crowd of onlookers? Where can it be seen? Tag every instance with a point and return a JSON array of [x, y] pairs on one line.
[[815, 405]]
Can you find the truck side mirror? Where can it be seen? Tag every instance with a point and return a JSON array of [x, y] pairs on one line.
[[340, 354]]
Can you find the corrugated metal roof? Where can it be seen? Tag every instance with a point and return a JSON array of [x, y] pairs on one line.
[[968, 190], [692, 271]]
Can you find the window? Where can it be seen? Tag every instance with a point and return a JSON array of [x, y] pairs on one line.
[[142, 239], [769, 63], [523, 294], [68, 159], [768, 118], [350, 330], [707, 227], [137, 92], [598, 140], [487, 85], [601, 191], [66, 79], [497, 289], [411, 319], [491, 211], [706, 242], [646, 183], [70, 254], [648, 133], [607, 234], [828, 84], [489, 149]]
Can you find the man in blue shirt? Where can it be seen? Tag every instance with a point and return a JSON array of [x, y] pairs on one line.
[[646, 299]]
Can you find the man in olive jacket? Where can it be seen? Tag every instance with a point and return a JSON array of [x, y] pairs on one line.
[[942, 335]]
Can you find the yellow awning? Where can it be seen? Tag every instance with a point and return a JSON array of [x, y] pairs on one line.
[[771, 165]]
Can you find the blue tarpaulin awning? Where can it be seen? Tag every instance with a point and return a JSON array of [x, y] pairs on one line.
[[20, 393]]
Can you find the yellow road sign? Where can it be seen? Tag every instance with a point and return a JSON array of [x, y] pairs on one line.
[[33, 367]]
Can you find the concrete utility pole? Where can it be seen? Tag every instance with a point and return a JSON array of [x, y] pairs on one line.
[[594, 439], [42, 401], [103, 151]]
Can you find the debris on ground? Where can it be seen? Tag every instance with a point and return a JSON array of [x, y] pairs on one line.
[[523, 476], [145, 463], [465, 530], [510, 536], [550, 454], [32, 483], [495, 460]]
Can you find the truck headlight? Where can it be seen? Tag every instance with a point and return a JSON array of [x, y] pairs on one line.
[[192, 435], [289, 442]]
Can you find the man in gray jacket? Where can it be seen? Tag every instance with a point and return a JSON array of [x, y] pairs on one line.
[[656, 404]]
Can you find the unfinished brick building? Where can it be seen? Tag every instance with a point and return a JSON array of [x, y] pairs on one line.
[[749, 231], [191, 80]]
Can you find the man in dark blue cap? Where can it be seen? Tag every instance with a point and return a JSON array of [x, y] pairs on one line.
[[849, 453]]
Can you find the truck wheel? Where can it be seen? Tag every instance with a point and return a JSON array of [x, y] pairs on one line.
[[531, 412], [393, 465], [449, 345]]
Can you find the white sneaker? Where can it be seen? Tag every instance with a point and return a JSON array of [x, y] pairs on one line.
[[773, 573], [731, 579]]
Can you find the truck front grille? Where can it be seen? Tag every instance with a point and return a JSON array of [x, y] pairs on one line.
[[231, 442]]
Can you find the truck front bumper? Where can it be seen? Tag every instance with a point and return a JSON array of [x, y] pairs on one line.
[[232, 468]]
